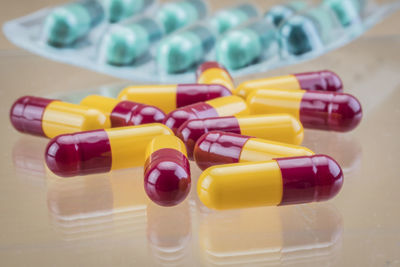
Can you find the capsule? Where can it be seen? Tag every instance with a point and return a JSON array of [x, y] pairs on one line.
[[316, 110], [211, 72], [229, 18], [117, 10], [101, 150], [124, 113], [124, 43], [347, 11], [309, 32], [49, 117], [244, 46], [279, 13], [219, 107], [216, 148], [276, 127], [67, 23], [281, 181], [173, 96], [324, 80], [180, 51], [166, 171], [176, 15]]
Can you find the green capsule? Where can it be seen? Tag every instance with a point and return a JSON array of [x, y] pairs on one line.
[[241, 47], [179, 14], [279, 13], [65, 24], [308, 32], [347, 11], [182, 50], [125, 43], [232, 17], [117, 10]]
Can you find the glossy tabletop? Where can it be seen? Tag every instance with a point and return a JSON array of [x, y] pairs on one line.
[[107, 220]]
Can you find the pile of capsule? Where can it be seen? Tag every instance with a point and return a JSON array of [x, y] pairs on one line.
[[246, 139]]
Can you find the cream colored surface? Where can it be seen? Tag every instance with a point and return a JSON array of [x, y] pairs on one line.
[[360, 227]]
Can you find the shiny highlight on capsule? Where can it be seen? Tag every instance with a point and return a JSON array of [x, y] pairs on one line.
[[216, 148], [124, 113], [173, 96], [316, 110], [166, 171], [324, 80], [219, 107], [281, 181], [49, 117], [212, 72], [101, 150], [275, 127]]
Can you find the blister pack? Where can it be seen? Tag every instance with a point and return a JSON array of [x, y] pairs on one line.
[[165, 43]]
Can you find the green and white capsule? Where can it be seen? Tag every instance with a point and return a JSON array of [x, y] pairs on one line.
[[347, 11], [241, 47], [309, 31], [276, 14], [125, 43], [67, 23], [176, 15], [227, 19], [185, 48], [117, 10]]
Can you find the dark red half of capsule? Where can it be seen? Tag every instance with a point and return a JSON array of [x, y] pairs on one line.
[[216, 148], [330, 111], [79, 153], [320, 80], [27, 112], [210, 65], [167, 177], [187, 94], [127, 113], [199, 110], [309, 178], [192, 130]]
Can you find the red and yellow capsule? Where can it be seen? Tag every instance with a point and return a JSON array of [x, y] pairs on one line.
[[316, 110], [49, 117], [216, 148], [212, 72], [173, 96], [124, 113], [166, 171], [275, 127], [268, 183], [324, 80], [101, 150], [219, 107]]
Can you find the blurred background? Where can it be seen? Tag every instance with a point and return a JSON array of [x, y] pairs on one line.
[[107, 219]]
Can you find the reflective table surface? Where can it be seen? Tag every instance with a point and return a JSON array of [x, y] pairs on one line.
[[107, 220]]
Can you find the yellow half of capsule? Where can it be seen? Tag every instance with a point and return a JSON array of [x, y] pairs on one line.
[[161, 96], [216, 76], [286, 82], [256, 149], [128, 144], [61, 118], [229, 105], [102, 103], [165, 141], [278, 127], [241, 185], [276, 101]]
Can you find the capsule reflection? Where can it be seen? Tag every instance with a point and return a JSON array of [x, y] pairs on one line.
[[101, 205], [305, 234]]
